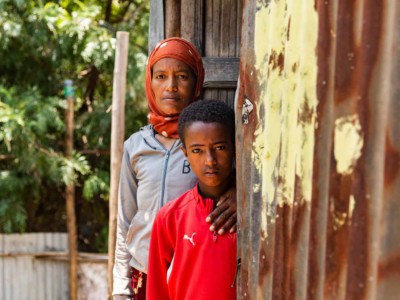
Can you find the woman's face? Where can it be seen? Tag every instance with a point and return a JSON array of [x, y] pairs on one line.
[[173, 84]]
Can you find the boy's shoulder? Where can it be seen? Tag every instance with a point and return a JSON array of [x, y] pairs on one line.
[[178, 204]]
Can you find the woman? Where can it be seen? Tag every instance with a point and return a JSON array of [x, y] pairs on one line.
[[154, 169]]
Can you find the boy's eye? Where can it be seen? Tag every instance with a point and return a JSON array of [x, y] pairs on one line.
[[220, 148], [196, 150]]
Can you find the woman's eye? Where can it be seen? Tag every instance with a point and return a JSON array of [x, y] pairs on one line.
[[182, 76], [159, 76]]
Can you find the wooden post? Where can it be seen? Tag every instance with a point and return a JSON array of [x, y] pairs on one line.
[[156, 23], [117, 143], [172, 18], [70, 193]]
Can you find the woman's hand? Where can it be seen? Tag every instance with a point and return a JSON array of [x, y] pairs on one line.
[[223, 217]]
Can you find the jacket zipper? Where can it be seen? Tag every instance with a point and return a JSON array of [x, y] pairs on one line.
[[163, 179], [167, 153], [210, 205]]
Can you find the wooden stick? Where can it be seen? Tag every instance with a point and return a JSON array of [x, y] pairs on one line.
[[117, 143], [70, 193]]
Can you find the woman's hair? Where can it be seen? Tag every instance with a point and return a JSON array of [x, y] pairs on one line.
[[184, 51], [207, 111]]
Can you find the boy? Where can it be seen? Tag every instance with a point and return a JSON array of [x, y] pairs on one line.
[[186, 260]]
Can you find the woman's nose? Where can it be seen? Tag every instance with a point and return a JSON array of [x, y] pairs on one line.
[[172, 84]]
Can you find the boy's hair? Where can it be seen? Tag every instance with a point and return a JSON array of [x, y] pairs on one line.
[[207, 111]]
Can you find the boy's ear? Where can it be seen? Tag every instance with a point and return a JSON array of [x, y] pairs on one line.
[[184, 150]]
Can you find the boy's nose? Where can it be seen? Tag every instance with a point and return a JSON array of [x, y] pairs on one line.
[[210, 159]]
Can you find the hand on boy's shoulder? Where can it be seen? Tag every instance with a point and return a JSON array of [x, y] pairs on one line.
[[224, 216]]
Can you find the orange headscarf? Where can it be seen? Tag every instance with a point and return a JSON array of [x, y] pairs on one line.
[[184, 51]]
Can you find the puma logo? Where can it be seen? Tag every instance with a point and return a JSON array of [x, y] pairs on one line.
[[190, 239]]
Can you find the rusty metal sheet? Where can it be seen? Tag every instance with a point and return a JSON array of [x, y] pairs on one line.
[[318, 150]]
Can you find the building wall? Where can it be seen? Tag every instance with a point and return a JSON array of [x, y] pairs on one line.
[[318, 150]]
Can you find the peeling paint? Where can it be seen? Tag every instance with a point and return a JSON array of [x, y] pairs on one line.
[[246, 110], [352, 205], [348, 143], [342, 243], [286, 65], [338, 218]]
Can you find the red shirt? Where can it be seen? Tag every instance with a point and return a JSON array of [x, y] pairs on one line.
[[203, 264]]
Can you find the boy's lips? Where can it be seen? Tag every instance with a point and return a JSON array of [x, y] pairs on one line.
[[211, 172]]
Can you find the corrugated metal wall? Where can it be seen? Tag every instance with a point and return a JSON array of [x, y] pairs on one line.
[[319, 150], [24, 277], [35, 266]]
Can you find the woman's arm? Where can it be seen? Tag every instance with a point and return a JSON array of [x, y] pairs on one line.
[[127, 208]]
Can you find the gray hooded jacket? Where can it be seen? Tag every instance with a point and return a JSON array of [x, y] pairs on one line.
[[150, 176]]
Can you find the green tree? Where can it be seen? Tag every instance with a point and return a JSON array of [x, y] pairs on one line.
[[43, 43]]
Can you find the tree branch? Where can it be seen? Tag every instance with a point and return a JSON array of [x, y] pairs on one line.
[[107, 15]]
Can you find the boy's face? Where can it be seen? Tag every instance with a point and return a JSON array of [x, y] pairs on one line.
[[209, 150]]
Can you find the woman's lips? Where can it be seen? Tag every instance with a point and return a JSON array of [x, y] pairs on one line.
[[171, 98]]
